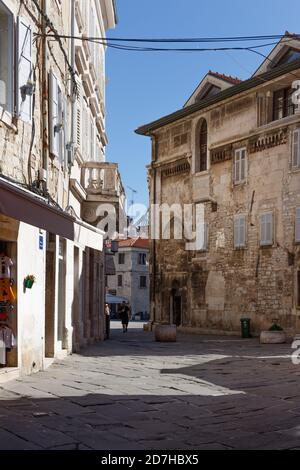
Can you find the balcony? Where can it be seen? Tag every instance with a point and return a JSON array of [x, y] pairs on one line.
[[101, 178]]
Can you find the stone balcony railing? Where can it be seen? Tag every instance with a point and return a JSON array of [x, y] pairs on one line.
[[102, 178]]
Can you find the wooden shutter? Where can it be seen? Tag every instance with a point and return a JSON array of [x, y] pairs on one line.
[[297, 225], [243, 165], [79, 111], [24, 69]]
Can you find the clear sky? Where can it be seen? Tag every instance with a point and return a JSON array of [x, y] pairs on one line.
[[143, 86]]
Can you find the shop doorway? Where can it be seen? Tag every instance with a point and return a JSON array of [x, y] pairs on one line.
[[50, 296], [61, 310], [8, 305], [176, 307]]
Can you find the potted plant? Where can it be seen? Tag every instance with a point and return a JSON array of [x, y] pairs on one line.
[[29, 281], [275, 335]]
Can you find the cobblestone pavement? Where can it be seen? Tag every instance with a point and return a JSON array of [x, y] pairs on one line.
[[129, 392]]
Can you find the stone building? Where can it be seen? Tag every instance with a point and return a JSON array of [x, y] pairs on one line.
[[52, 127], [234, 151], [131, 278]]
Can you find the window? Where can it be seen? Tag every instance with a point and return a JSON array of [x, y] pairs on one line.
[[296, 149], [121, 258], [120, 280], [289, 57], [143, 282], [282, 103], [240, 166], [297, 225], [201, 156], [58, 121], [239, 231], [266, 229], [142, 258], [202, 237], [6, 58]]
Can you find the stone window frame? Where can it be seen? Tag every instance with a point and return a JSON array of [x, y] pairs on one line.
[[235, 218], [197, 146]]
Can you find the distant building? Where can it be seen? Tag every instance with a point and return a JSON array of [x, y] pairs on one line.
[[131, 280], [234, 151]]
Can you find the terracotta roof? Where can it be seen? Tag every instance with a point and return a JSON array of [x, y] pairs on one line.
[[136, 242], [227, 78]]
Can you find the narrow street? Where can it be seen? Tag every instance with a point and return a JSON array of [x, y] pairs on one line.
[[133, 393]]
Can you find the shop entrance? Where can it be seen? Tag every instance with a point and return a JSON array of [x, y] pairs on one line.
[[50, 296], [8, 291]]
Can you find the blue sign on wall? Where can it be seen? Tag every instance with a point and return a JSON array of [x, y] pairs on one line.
[[41, 242]]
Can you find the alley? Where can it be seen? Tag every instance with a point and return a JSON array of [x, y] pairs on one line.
[[132, 393]]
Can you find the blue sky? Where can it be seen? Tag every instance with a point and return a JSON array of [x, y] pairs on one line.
[[143, 86]]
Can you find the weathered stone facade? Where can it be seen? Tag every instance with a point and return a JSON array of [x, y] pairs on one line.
[[210, 290]]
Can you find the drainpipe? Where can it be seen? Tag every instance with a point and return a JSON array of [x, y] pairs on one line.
[[153, 242], [73, 96], [45, 134]]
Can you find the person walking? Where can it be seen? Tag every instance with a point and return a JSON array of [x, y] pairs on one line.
[[124, 316], [107, 320]]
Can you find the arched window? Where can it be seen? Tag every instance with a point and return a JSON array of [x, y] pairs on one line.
[[201, 147]]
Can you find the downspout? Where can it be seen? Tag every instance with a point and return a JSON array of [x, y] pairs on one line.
[[153, 242], [73, 94], [45, 134]]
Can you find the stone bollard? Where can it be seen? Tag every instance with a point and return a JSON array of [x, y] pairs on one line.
[[165, 333]]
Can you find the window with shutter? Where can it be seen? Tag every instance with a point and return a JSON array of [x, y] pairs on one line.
[[6, 58], [240, 231], [296, 149], [297, 225], [202, 237], [79, 116], [266, 229], [54, 115], [240, 166], [24, 76]]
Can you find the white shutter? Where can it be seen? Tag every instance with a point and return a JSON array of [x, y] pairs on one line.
[[266, 229], [79, 112], [243, 165], [65, 133], [297, 225], [240, 231], [296, 148], [24, 75], [53, 114], [237, 167]]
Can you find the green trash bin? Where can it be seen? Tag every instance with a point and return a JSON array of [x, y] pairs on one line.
[[245, 327]]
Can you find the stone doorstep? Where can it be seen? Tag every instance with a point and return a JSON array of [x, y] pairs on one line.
[[9, 373]]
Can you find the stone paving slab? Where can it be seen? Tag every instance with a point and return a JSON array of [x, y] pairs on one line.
[[130, 392]]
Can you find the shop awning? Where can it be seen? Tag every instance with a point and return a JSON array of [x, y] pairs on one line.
[[27, 207], [114, 299], [87, 235]]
